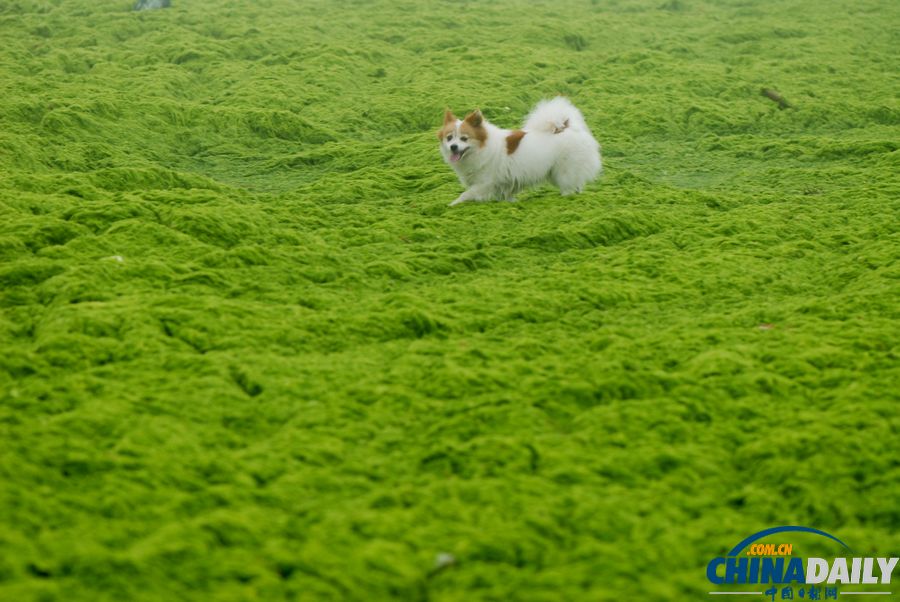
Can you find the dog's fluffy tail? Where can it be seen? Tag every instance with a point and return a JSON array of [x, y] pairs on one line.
[[555, 116]]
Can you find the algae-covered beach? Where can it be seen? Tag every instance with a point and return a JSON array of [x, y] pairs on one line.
[[248, 353]]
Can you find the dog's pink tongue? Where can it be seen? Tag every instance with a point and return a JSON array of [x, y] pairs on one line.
[[455, 156]]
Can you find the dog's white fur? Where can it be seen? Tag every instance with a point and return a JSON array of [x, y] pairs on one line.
[[557, 146]]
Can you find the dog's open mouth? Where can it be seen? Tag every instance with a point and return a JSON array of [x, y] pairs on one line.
[[457, 156]]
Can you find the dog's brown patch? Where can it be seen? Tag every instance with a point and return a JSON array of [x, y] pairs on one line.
[[473, 127], [513, 140]]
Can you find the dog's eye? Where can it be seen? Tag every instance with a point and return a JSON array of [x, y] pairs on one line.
[[449, 137], [464, 138]]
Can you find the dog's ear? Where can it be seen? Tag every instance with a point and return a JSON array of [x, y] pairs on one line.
[[474, 118], [449, 117]]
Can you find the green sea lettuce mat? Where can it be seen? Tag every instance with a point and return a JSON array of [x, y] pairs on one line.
[[248, 352]]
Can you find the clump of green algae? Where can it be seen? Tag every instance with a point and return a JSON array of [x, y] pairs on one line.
[[247, 352]]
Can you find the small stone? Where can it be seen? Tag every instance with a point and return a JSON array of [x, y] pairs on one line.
[[443, 560], [151, 4]]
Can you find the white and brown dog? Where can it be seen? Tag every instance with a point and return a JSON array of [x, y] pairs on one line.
[[555, 144]]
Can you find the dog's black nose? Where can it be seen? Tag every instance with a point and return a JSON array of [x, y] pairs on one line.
[[454, 147]]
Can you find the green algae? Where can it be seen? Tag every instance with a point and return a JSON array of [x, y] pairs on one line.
[[248, 352]]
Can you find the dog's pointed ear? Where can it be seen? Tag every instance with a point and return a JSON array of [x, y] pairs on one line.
[[474, 118], [449, 117]]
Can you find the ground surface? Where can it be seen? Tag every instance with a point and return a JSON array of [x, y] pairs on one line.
[[249, 353]]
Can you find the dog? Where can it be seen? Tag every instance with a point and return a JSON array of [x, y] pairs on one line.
[[554, 144]]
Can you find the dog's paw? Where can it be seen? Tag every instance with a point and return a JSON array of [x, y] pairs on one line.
[[457, 201]]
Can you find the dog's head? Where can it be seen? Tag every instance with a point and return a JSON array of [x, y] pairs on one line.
[[462, 138]]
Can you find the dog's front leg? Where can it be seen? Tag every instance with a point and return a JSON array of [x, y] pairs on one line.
[[475, 193], [461, 199]]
